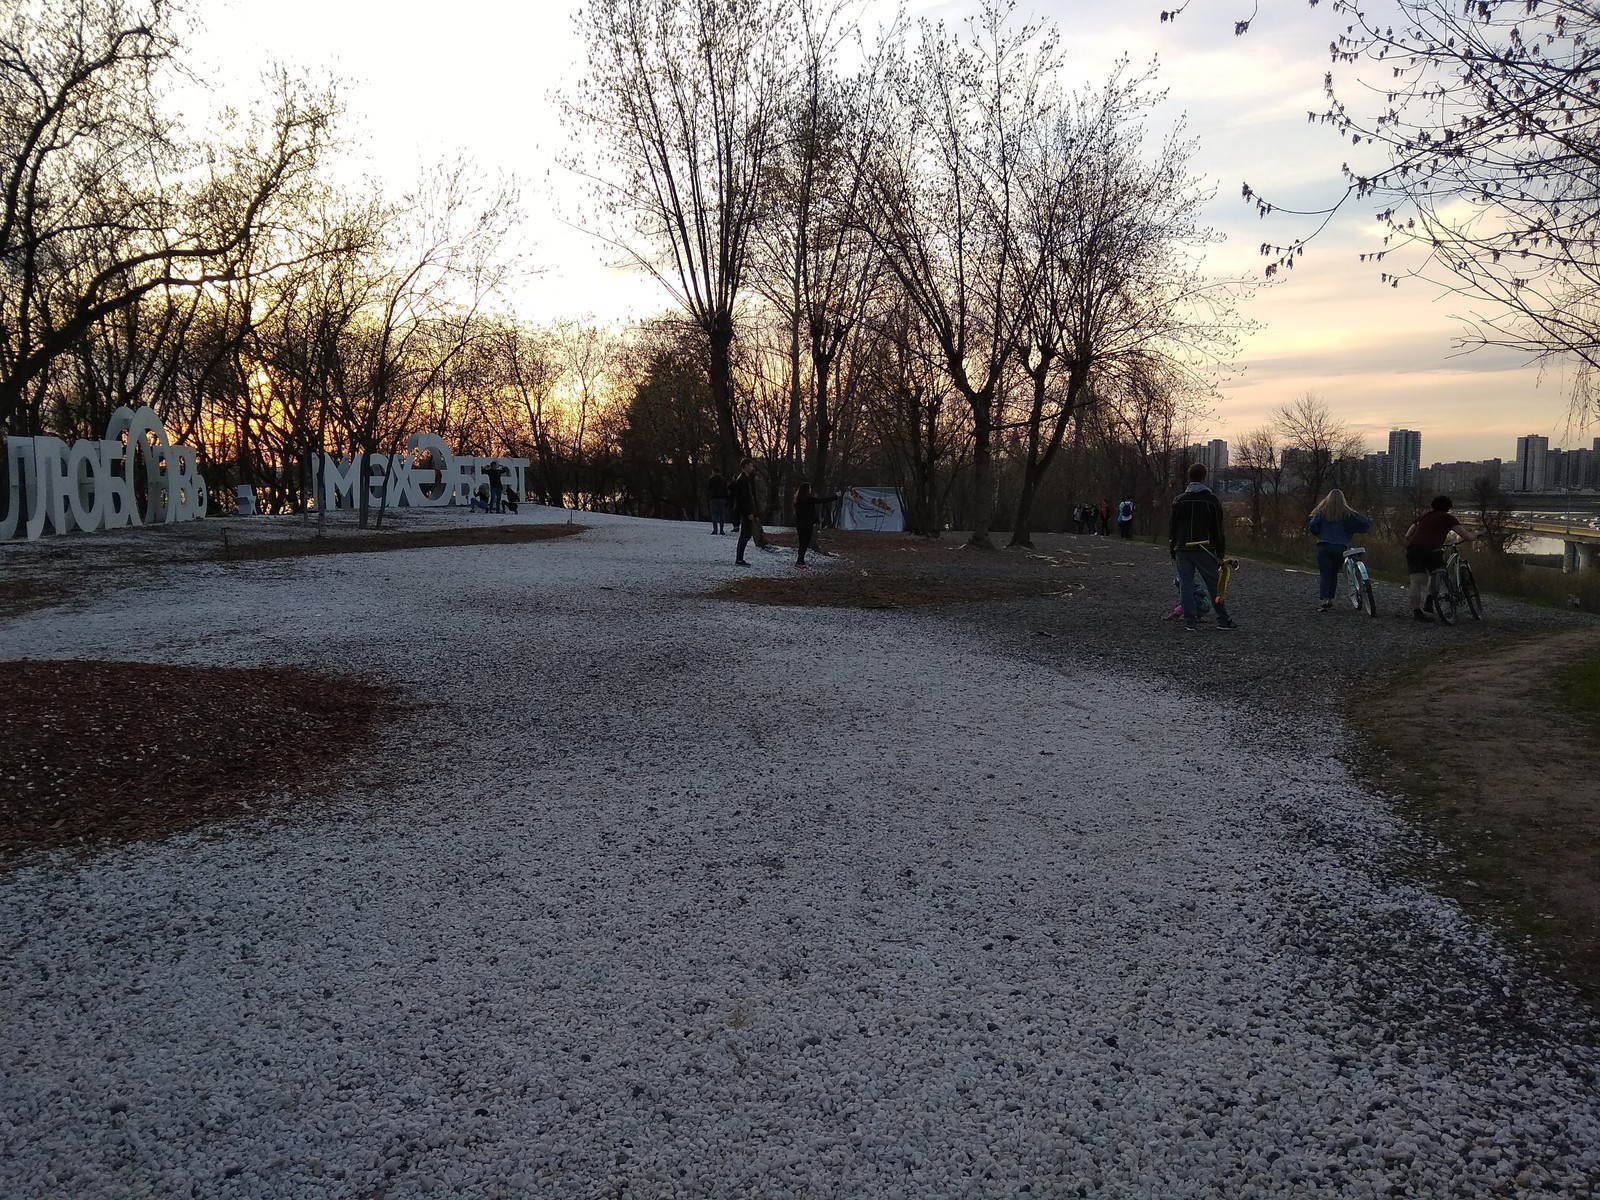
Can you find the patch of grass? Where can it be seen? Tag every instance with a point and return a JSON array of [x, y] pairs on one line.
[[1580, 688], [1507, 786]]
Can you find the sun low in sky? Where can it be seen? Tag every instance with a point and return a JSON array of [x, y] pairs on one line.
[[479, 77]]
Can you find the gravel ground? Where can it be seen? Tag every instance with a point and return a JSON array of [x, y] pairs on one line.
[[777, 902]]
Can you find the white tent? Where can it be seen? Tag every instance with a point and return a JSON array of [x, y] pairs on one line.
[[874, 508]]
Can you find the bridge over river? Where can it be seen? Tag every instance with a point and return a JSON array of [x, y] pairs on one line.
[[1571, 519]]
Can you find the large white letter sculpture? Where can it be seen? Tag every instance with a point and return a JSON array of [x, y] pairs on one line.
[[450, 480], [92, 485]]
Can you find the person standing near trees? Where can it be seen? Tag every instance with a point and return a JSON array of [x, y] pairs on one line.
[[1105, 518], [742, 493], [1197, 540], [1125, 518], [496, 473], [805, 519], [717, 489], [1334, 524]]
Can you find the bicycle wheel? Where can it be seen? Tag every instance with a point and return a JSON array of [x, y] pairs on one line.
[[1469, 593], [1366, 595], [1444, 601]]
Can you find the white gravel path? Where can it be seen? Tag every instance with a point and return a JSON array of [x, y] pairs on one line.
[[752, 902]]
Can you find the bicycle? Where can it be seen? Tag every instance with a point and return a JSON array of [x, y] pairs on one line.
[[1355, 570], [1452, 585]]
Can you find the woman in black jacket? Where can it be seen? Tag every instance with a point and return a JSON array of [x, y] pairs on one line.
[[805, 518]]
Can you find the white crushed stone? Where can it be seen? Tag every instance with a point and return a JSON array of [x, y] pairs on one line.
[[746, 901]]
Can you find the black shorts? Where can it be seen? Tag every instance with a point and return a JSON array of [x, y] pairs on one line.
[[1423, 560]]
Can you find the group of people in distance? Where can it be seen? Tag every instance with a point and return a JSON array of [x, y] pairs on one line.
[[1087, 518], [492, 495], [736, 500], [1197, 537], [1197, 540]]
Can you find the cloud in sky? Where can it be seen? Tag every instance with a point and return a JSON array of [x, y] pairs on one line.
[[478, 76]]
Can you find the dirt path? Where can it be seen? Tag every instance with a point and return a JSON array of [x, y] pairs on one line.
[[1487, 758]]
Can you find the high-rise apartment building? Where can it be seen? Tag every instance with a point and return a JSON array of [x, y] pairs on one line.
[[1532, 469], [1405, 458], [1217, 456], [1213, 455]]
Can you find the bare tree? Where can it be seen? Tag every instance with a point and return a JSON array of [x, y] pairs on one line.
[[945, 191], [1112, 292], [438, 264], [101, 201], [1494, 513], [685, 99], [1256, 456], [1314, 442], [912, 416]]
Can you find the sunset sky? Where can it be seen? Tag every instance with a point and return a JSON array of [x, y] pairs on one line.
[[478, 76]]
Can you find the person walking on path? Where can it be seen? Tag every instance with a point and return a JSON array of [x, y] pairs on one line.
[[1197, 540], [805, 519], [1125, 518], [717, 489], [742, 494], [1335, 525], [1425, 551], [1105, 518], [496, 473]]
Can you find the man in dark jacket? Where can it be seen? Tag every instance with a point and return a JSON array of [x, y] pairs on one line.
[[742, 495], [717, 489], [1197, 538]]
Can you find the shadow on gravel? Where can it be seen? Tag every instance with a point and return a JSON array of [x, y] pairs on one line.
[[117, 752]]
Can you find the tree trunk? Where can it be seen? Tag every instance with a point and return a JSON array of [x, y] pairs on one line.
[[1039, 460], [982, 472], [821, 366], [720, 337]]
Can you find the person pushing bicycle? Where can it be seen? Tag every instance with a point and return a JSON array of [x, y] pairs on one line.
[[1425, 542]]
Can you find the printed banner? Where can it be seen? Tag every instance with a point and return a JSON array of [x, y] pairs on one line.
[[874, 508]]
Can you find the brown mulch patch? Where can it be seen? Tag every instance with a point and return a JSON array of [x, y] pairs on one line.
[[884, 570], [380, 540], [103, 753], [1489, 758]]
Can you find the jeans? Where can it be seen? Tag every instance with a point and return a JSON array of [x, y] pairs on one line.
[[719, 515], [747, 530], [1203, 561], [495, 492], [1330, 561], [804, 534]]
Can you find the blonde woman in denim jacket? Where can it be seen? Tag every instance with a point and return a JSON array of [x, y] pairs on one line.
[[1335, 525]]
